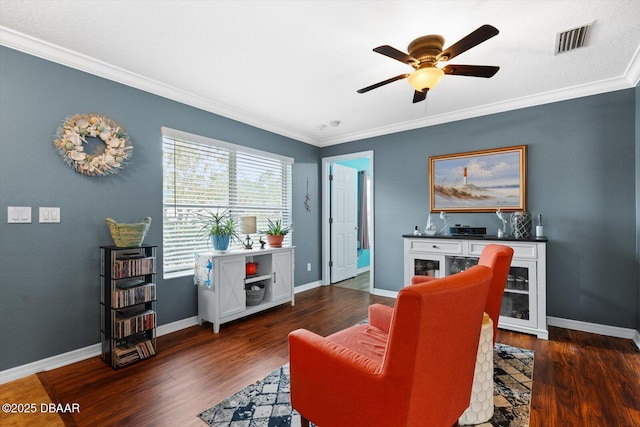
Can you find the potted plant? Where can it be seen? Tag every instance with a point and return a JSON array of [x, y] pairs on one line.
[[275, 232], [220, 227]]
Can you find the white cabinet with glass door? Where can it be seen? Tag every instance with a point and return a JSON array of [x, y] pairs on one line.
[[524, 301]]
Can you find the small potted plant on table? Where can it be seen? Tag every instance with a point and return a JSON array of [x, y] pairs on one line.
[[275, 232], [220, 227]]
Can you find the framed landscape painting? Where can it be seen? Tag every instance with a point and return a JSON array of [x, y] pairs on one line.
[[479, 181]]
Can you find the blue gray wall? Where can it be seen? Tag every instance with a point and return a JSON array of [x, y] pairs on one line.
[[582, 158], [49, 273], [581, 178]]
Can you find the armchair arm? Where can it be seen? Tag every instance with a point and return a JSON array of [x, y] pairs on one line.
[[380, 316], [421, 279], [324, 374]]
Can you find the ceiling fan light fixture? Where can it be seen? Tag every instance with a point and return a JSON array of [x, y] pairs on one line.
[[426, 53], [425, 78]]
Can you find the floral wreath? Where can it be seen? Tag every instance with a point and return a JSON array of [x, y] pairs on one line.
[[73, 133]]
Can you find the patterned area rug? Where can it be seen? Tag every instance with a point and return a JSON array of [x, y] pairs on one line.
[[266, 403]]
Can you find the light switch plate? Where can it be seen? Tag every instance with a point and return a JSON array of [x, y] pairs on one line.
[[49, 215], [19, 214]]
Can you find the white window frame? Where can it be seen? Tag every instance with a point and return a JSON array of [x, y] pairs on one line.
[[176, 265]]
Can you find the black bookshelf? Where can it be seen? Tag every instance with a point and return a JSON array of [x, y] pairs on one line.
[[127, 304]]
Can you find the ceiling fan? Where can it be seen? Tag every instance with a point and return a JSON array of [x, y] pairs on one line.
[[425, 53]]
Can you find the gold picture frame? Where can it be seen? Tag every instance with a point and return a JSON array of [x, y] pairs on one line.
[[479, 181]]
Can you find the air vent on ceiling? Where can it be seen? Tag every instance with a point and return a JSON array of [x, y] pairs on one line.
[[572, 39]]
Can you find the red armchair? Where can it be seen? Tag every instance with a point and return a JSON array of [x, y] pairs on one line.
[[410, 366], [498, 259]]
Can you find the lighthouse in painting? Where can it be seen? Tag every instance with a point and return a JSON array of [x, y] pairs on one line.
[[464, 180]]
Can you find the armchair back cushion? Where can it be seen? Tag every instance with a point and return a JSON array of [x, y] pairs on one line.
[[498, 259], [419, 373]]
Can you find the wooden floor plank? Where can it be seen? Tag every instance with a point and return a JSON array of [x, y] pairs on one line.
[[25, 402], [579, 379]]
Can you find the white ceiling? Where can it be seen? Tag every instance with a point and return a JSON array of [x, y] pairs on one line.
[[291, 66]]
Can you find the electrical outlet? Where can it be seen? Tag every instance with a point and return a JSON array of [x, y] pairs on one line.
[[308, 266]]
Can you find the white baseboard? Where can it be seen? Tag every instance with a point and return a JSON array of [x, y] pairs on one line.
[[385, 293], [594, 328], [611, 331], [176, 326], [94, 350], [80, 354], [50, 363], [307, 287]]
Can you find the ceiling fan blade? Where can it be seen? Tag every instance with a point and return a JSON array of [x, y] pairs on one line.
[[420, 95], [480, 35], [471, 70], [377, 85], [394, 53]]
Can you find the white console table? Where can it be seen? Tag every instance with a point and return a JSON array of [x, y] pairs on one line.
[[221, 280], [524, 304]]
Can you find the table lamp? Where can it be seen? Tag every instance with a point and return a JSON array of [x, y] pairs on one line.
[[248, 227]]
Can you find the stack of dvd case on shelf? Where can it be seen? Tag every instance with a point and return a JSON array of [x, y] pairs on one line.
[[128, 298]]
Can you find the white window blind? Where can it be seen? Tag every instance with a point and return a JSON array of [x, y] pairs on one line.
[[203, 173]]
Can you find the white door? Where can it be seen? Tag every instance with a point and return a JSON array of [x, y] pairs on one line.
[[344, 222]]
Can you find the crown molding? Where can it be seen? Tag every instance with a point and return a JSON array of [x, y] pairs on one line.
[[630, 79], [633, 71], [54, 53], [499, 107], [63, 56]]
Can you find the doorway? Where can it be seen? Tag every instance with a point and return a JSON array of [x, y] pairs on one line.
[[363, 161]]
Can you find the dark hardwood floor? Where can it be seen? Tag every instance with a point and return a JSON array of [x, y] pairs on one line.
[[579, 379]]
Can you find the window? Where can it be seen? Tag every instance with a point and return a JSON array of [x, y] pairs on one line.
[[203, 173]]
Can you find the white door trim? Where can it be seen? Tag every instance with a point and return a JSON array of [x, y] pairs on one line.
[[326, 233]]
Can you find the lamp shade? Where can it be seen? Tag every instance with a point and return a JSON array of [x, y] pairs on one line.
[[248, 224], [425, 78]]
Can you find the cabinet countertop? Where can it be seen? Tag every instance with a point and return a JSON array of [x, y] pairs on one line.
[[243, 252], [476, 237]]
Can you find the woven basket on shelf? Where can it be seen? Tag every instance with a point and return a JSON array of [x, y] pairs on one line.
[[255, 296], [127, 235]]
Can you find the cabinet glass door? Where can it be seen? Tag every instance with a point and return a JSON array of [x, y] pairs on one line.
[[426, 265], [519, 299], [456, 264]]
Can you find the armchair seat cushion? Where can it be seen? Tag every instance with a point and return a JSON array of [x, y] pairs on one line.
[[366, 340]]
